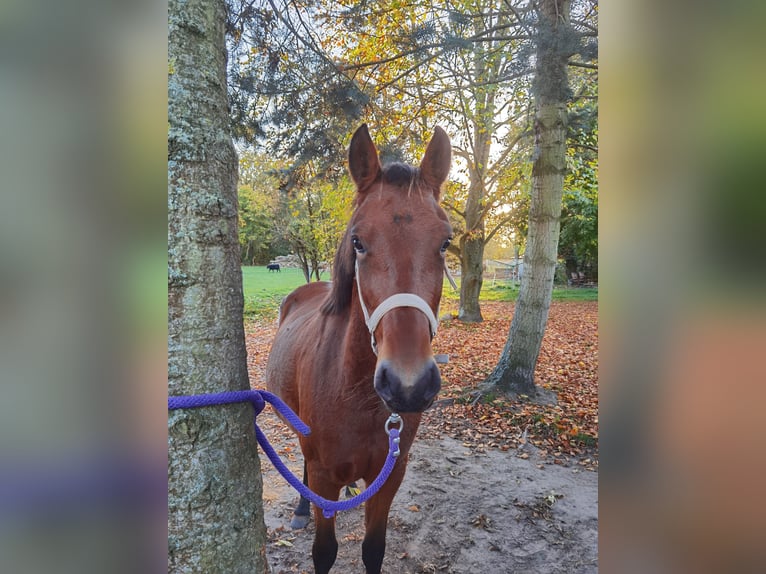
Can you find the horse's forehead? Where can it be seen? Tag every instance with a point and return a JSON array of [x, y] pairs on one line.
[[400, 208]]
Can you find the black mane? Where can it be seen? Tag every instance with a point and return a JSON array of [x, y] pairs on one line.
[[399, 173]]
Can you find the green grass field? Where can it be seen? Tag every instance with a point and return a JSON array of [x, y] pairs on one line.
[[264, 290], [509, 291]]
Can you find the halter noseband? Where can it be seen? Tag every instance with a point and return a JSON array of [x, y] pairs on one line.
[[392, 302]]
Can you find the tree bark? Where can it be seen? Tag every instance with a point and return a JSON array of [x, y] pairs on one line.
[[215, 512], [473, 240], [471, 277], [514, 372]]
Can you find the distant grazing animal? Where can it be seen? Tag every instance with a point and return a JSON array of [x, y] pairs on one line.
[[387, 282], [273, 267]]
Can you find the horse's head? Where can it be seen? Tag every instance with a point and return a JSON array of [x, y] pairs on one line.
[[392, 256]]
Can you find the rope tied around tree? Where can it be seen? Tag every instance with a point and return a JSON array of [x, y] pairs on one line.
[[258, 399]]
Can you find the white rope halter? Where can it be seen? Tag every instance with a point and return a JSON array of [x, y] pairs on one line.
[[392, 302]]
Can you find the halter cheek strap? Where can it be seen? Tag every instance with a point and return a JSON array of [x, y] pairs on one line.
[[392, 302]]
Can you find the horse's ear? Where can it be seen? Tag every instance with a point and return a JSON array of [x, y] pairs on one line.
[[342, 279], [363, 162], [435, 166]]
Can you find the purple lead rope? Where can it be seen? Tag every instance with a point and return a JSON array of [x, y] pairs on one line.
[[258, 399]]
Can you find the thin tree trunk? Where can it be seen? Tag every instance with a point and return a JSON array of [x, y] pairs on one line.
[[514, 372], [473, 240], [471, 278], [303, 258], [485, 70], [215, 512]]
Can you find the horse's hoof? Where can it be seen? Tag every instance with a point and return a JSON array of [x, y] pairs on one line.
[[299, 521]]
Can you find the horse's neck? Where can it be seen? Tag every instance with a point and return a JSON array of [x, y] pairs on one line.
[[359, 360], [358, 346]]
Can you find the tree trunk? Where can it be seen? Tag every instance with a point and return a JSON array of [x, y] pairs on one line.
[[215, 512], [514, 372], [316, 269], [303, 258], [471, 278], [473, 241]]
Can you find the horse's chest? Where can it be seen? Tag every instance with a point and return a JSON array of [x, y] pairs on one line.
[[349, 453]]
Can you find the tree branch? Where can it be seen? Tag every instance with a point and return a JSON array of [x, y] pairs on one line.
[[502, 223], [583, 65], [453, 209], [585, 146]]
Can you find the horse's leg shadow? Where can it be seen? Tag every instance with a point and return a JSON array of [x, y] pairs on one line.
[[302, 513]]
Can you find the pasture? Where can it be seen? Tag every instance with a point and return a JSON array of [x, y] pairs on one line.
[[264, 291]]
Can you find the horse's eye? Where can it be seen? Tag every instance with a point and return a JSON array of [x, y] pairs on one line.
[[358, 247], [445, 245]]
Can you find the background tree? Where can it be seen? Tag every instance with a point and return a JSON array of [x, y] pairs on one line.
[[556, 41], [259, 181], [578, 242], [290, 102], [320, 69], [481, 72], [311, 216], [215, 514], [288, 97], [455, 61]]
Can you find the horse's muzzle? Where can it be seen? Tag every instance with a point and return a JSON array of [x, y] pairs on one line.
[[407, 392]]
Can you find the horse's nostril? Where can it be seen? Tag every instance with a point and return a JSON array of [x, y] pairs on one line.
[[381, 380], [431, 382], [386, 382]]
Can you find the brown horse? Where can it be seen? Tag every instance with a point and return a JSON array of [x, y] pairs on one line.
[[322, 362]]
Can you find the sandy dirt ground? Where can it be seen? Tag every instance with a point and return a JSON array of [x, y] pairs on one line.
[[457, 511]]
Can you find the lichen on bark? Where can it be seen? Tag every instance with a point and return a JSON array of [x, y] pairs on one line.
[[215, 514]]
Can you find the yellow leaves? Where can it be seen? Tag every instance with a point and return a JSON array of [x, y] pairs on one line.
[[352, 491]]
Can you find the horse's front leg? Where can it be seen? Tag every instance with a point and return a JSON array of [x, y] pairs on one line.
[[325, 548], [376, 520]]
